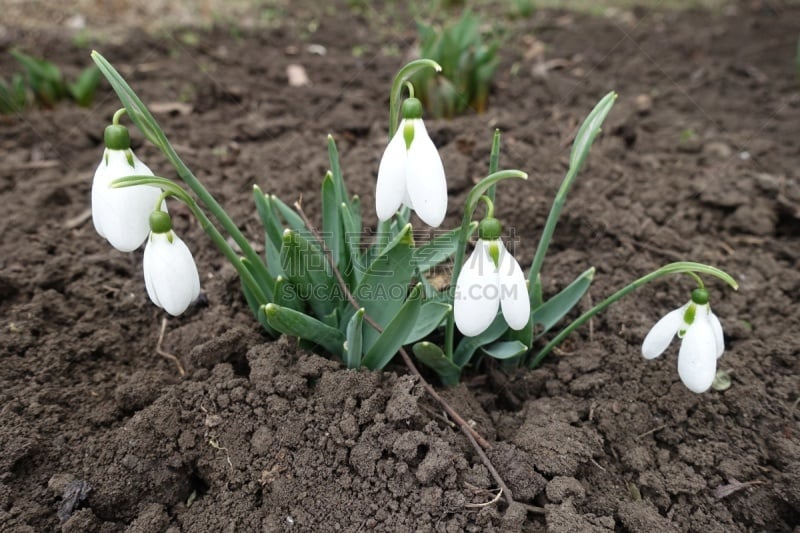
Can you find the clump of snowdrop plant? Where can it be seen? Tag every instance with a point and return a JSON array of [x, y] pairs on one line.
[[362, 301]]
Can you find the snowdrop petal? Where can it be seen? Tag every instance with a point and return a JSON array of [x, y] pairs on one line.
[[662, 333], [170, 273], [716, 327], [697, 359], [426, 182], [514, 300], [391, 186], [121, 215], [477, 297]]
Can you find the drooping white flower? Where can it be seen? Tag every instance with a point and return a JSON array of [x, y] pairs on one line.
[[491, 279], [170, 273], [411, 172], [702, 341], [120, 214]]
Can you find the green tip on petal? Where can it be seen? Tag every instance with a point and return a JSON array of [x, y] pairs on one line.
[[494, 253], [408, 134], [700, 296], [117, 137], [160, 222], [688, 316], [490, 229], [412, 108]]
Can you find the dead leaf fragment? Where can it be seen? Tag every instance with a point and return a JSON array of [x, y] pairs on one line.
[[723, 491], [178, 108]]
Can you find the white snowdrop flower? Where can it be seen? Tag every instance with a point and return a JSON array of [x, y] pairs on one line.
[[411, 171], [120, 215], [491, 279], [170, 273], [702, 342]]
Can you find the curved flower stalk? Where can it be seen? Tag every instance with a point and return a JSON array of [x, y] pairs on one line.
[[121, 215], [702, 341], [170, 273], [411, 172], [491, 279]]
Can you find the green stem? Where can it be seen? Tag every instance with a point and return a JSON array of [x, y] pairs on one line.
[[550, 225], [118, 115], [397, 88], [682, 267], [697, 279], [489, 205], [162, 197]]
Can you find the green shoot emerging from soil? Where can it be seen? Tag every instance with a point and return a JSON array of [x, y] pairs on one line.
[[363, 300], [42, 83]]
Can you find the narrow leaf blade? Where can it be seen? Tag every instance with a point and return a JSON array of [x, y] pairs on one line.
[[297, 324], [395, 334], [331, 227], [434, 358], [439, 249], [466, 348], [550, 312], [354, 347], [430, 317], [504, 349]]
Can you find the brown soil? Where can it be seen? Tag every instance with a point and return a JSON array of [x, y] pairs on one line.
[[699, 161]]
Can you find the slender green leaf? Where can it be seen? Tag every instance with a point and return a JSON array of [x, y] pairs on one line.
[[352, 267], [440, 248], [336, 171], [504, 349], [307, 268], [429, 290], [550, 312], [273, 259], [84, 88], [580, 148], [331, 227], [268, 216], [395, 334], [589, 130], [355, 210], [384, 284], [430, 317], [353, 349], [293, 220], [136, 109], [297, 324], [466, 348], [257, 309], [433, 357], [331, 319], [286, 295], [266, 283]]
